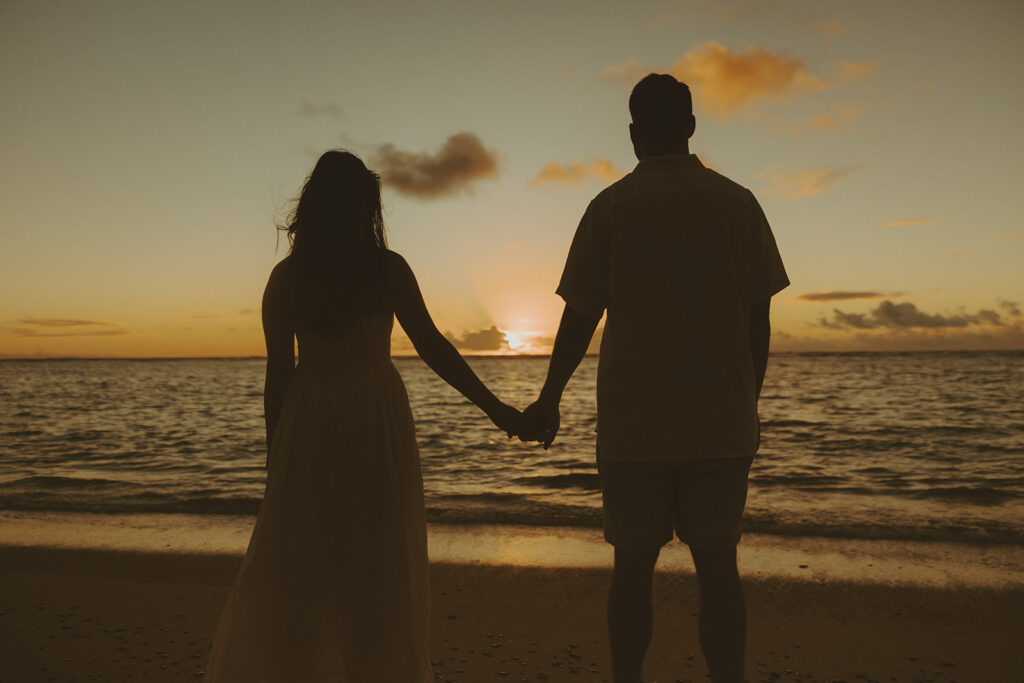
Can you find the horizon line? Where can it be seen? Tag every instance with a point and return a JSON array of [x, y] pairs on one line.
[[506, 356]]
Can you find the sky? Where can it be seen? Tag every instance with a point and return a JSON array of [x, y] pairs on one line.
[[148, 150]]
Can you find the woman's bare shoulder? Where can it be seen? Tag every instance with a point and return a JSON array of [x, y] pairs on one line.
[[398, 270], [279, 276]]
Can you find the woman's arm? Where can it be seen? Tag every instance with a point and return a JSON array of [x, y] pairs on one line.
[[280, 339], [437, 352]]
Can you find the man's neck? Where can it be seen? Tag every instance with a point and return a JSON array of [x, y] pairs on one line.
[[663, 151]]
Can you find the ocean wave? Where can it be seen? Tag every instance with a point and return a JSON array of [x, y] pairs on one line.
[[977, 495], [137, 504], [50, 482], [580, 480], [483, 497]]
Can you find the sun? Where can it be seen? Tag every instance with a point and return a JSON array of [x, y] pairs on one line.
[[514, 339]]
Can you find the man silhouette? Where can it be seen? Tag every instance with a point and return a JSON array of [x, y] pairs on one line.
[[685, 264]]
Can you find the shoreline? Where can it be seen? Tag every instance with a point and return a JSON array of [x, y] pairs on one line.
[[798, 558], [76, 614]]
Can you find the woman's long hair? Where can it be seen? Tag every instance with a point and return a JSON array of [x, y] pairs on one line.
[[337, 256]]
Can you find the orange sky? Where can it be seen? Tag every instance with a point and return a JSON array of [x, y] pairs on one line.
[[147, 152]]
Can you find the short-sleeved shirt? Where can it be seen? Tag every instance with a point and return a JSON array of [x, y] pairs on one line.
[[676, 254]]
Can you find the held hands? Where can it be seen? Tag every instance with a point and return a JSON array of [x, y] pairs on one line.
[[506, 418], [539, 422]]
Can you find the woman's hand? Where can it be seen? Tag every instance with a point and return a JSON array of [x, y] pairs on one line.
[[506, 418]]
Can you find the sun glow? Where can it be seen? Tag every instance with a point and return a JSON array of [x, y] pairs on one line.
[[515, 340]]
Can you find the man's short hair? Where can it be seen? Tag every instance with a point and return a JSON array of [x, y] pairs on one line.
[[660, 105]]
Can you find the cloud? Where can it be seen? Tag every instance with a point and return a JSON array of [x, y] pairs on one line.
[[905, 316], [830, 28], [725, 82], [807, 183], [330, 109], [460, 161], [574, 173], [840, 296], [31, 332], [64, 322], [491, 339], [66, 327], [1011, 307], [908, 221], [841, 114], [1013, 237]]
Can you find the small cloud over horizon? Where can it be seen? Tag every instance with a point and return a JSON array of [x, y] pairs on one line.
[[906, 315], [726, 82], [574, 173], [453, 168], [490, 339], [64, 322], [66, 327], [842, 296]]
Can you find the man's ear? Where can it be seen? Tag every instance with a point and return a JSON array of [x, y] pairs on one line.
[[691, 126], [633, 134]]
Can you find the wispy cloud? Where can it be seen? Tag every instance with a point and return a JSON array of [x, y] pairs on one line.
[[65, 327], [908, 221], [830, 28], [726, 82], [840, 115], [1014, 237], [1012, 308], [490, 339], [906, 315], [328, 109], [461, 161], [67, 332], [574, 173], [64, 322], [797, 185], [841, 296]]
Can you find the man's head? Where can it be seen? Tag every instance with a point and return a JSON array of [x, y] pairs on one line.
[[662, 112]]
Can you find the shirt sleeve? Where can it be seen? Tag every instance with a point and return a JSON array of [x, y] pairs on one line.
[[584, 283], [769, 274]]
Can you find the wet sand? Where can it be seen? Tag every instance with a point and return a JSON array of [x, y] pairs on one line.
[[81, 615]]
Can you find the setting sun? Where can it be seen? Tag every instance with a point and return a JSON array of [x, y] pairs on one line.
[[515, 340]]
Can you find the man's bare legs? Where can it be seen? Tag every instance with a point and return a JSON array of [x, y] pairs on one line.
[[722, 620], [630, 614]]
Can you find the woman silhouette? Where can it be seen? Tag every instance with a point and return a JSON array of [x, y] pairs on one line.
[[334, 585]]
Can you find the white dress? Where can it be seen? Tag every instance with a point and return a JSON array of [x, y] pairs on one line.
[[334, 586]]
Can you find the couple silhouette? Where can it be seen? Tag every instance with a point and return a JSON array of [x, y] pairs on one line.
[[334, 585]]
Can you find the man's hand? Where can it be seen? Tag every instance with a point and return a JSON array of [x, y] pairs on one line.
[[540, 422], [506, 418]]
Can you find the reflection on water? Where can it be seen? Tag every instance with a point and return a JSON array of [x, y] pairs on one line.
[[898, 446]]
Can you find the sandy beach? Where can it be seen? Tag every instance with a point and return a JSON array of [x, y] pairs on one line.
[[96, 615]]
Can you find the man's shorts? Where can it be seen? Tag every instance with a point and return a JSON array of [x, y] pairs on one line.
[[702, 499]]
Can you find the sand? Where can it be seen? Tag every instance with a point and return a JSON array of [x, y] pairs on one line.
[[93, 615]]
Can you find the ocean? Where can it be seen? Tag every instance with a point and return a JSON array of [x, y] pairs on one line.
[[885, 446]]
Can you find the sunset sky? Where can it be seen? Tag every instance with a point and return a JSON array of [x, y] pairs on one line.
[[147, 149]]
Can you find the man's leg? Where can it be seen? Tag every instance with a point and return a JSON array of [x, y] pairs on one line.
[[630, 614], [722, 620]]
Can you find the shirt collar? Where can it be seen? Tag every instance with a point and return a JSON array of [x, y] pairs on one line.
[[664, 160]]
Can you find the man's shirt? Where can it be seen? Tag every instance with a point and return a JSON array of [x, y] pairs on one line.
[[676, 254]]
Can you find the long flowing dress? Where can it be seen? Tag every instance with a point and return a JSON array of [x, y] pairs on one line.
[[334, 585]]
